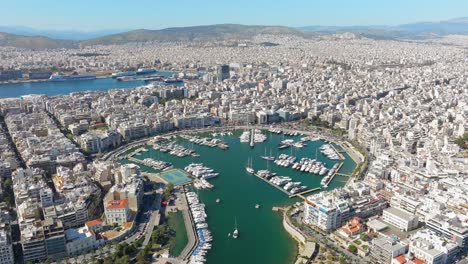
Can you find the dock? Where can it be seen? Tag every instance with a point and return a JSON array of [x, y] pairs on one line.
[[276, 186], [334, 174], [301, 194], [337, 152], [252, 138], [277, 209]]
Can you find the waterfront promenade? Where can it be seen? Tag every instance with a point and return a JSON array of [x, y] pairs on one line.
[[189, 226]]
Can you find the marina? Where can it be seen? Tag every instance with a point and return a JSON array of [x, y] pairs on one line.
[[236, 193]]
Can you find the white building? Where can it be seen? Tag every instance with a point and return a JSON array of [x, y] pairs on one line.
[[326, 214], [81, 240], [117, 211], [401, 219], [432, 249]]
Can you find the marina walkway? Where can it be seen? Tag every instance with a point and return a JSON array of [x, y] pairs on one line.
[[189, 226], [334, 174], [276, 186], [305, 192]]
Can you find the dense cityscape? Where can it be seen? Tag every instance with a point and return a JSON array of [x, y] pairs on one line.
[[397, 108]]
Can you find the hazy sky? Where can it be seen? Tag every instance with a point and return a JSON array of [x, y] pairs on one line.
[[155, 14]]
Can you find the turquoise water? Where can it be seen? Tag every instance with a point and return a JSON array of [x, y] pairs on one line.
[[262, 238], [60, 88]]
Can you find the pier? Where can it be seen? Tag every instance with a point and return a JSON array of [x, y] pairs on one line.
[[301, 194], [334, 174], [276, 186], [337, 152], [252, 138]]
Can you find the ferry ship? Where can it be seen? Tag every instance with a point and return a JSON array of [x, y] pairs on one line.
[[74, 77], [172, 80], [145, 71], [122, 74]]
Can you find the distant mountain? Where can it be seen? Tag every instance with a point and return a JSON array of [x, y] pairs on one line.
[[34, 42], [412, 30], [202, 33], [453, 26], [66, 39], [59, 34]]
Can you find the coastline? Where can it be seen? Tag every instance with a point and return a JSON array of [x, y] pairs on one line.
[[45, 80]]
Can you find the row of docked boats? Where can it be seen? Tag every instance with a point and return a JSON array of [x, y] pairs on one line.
[[284, 160], [209, 142], [157, 164], [202, 184], [174, 149], [326, 179], [310, 165], [287, 184], [222, 134], [138, 151], [201, 226], [329, 151], [286, 133], [291, 143], [198, 170], [257, 135]]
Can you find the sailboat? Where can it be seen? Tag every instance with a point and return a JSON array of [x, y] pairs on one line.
[[235, 234], [267, 157], [249, 167]]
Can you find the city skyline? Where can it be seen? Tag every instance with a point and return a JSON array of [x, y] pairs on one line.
[[117, 15]]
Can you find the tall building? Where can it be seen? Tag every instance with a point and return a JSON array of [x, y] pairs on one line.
[[32, 240], [223, 73], [54, 238], [325, 213], [384, 249], [6, 248]]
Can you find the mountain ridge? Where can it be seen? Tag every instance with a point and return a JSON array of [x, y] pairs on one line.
[[222, 32]]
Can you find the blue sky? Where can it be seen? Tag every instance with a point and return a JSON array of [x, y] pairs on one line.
[[125, 14]]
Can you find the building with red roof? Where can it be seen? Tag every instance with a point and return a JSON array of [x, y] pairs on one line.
[[117, 211]]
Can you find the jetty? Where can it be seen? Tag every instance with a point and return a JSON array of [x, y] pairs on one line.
[[252, 138], [335, 173], [274, 185], [337, 152], [301, 194]]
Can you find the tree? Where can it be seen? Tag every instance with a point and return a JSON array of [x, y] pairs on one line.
[[353, 249], [168, 191], [462, 141], [364, 237], [342, 260]]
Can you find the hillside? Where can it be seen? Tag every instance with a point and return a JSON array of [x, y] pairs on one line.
[[33, 42], [211, 32], [412, 30]]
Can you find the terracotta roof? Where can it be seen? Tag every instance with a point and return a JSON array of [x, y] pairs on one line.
[[418, 261], [117, 204], [93, 222], [401, 258]]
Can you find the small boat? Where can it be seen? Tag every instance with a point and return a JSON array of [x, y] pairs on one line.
[[249, 167], [235, 234], [229, 235], [218, 200], [257, 206]]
